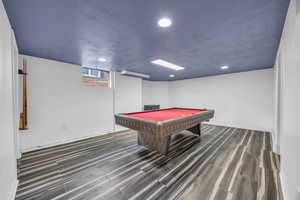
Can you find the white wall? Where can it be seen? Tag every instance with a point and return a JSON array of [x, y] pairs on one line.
[[287, 98], [8, 169], [128, 95], [156, 92], [61, 108], [241, 99]]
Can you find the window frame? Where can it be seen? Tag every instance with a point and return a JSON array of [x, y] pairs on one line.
[[99, 72]]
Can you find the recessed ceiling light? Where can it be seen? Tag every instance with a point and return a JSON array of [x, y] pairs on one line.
[[102, 59], [172, 75], [166, 64], [164, 22], [224, 67]]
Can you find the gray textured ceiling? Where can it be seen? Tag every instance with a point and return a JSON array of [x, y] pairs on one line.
[[205, 34]]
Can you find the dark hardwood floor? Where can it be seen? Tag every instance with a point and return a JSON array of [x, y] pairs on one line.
[[225, 164]]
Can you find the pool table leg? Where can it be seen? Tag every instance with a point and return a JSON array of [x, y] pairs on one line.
[[196, 129], [160, 144]]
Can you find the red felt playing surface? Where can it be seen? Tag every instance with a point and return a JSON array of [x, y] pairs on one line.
[[165, 114]]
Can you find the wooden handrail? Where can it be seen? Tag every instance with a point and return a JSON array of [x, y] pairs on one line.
[[24, 114]]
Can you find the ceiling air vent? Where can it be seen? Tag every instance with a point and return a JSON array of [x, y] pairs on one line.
[[134, 74]]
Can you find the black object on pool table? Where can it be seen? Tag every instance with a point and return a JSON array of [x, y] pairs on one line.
[[151, 107]]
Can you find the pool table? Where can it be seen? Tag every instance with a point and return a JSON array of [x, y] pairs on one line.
[[155, 127]]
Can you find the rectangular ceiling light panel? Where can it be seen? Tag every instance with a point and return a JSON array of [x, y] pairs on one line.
[[166, 64]]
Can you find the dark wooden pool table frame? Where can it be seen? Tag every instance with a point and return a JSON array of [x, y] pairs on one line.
[[156, 134]]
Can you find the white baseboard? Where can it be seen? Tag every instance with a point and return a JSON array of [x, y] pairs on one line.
[[284, 186], [273, 143], [234, 126], [14, 189], [24, 150]]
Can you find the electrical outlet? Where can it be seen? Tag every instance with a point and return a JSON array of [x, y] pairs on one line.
[[64, 127]]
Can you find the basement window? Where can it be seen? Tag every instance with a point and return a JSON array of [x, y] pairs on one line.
[[95, 77]]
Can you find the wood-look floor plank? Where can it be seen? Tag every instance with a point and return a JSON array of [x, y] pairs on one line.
[[225, 163]]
